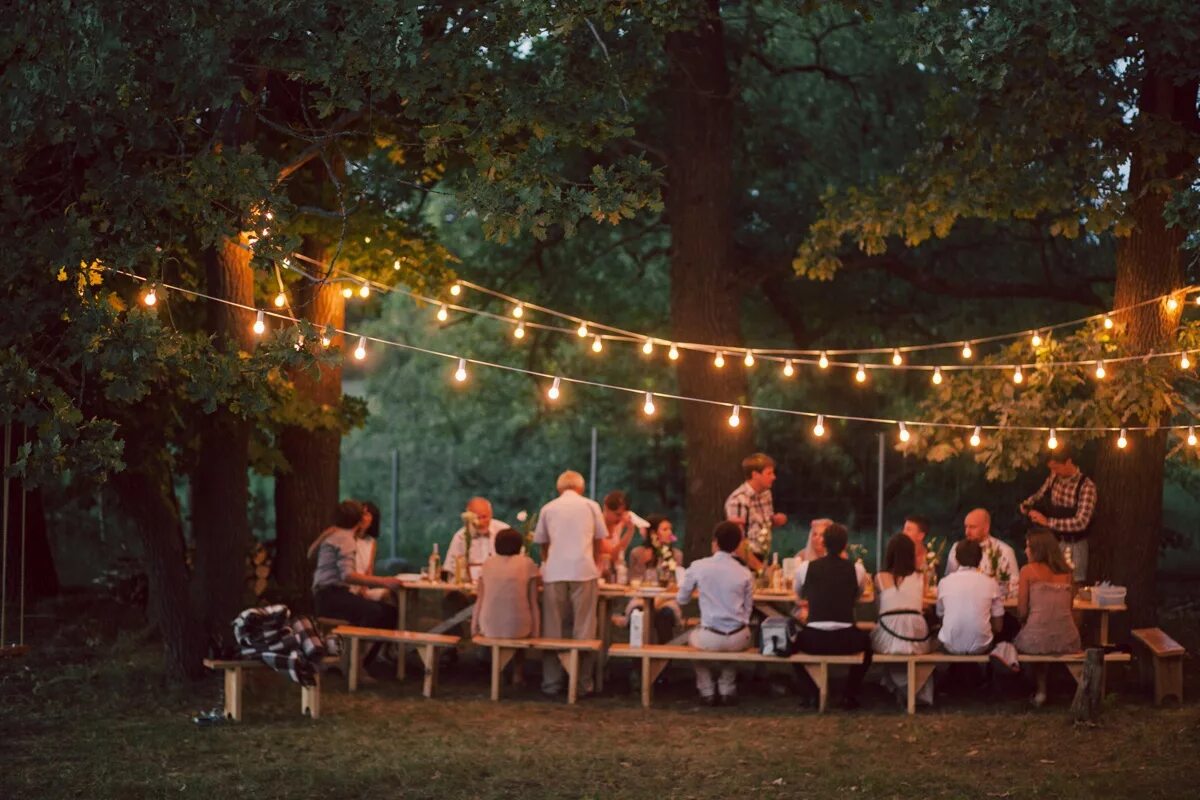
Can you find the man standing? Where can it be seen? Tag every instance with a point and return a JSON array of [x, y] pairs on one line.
[[569, 530], [482, 540], [1065, 504], [726, 600], [999, 560], [751, 506], [620, 524]]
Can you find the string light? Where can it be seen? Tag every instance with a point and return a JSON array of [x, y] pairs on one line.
[[1191, 437], [897, 359], [749, 359], [1100, 371], [151, 296], [861, 374], [553, 391], [1037, 338], [1108, 323], [519, 332], [443, 313], [582, 330], [904, 434], [937, 376], [819, 428], [270, 215], [823, 361], [673, 353], [1184, 361], [325, 340], [788, 369], [280, 300], [1052, 442], [360, 352], [966, 350], [259, 324], [719, 360], [347, 293], [518, 310], [1172, 303], [364, 291], [455, 289], [975, 437], [1121, 440], [1018, 376], [396, 264], [648, 346], [734, 417], [460, 374], [597, 344], [648, 405]]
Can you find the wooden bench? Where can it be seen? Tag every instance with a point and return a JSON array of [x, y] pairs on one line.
[[503, 651], [1167, 655], [310, 696], [426, 645]]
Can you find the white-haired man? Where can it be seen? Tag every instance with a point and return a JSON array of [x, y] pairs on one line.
[[569, 530]]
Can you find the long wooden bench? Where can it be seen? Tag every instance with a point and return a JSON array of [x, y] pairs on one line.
[[310, 696], [568, 650], [426, 645], [1167, 656]]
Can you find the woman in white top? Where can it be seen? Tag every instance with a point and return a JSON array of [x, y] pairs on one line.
[[901, 628]]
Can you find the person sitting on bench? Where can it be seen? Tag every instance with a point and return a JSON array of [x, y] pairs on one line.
[[506, 604], [969, 604], [336, 573]]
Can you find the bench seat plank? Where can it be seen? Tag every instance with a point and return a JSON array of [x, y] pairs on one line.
[[1167, 655], [568, 654]]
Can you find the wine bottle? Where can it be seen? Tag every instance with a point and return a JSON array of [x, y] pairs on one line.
[[435, 565]]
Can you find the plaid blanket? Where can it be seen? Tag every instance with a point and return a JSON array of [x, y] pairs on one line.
[[284, 642]]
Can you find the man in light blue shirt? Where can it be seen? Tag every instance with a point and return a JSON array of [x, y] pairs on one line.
[[726, 600]]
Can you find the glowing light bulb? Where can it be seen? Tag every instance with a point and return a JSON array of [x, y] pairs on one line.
[[788, 369], [937, 376], [364, 291], [673, 353], [460, 374], [1100, 370], [347, 293], [1037, 339], [396, 264], [582, 330], [455, 289], [1108, 323], [269, 215], [1184, 361], [299, 341], [823, 361], [1191, 437], [648, 346], [443, 313], [719, 360], [259, 324], [1018, 376], [325, 341], [897, 359], [151, 296], [518, 310], [266, 232], [734, 417], [966, 350], [519, 333], [597, 344], [280, 300], [367, 239], [749, 359], [904, 434], [1121, 440], [1172, 303], [648, 405], [819, 428], [861, 374], [360, 352], [1052, 442], [553, 391], [975, 437]]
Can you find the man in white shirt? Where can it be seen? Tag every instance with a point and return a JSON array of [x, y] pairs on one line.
[[482, 543], [998, 560], [969, 604], [726, 600], [569, 530]]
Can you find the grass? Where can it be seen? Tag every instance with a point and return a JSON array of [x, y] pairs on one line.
[[85, 718]]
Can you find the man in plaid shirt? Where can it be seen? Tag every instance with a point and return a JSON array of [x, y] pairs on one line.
[[751, 506], [1067, 509]]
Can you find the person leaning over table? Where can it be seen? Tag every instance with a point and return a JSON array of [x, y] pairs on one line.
[[1044, 605], [726, 599], [569, 530], [337, 573], [620, 524], [831, 586], [1065, 504]]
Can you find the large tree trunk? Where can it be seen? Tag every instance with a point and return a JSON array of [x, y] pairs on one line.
[[705, 291], [1128, 521], [306, 492], [221, 486], [28, 559]]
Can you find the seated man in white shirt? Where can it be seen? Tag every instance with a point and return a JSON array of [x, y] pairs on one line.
[[726, 600], [969, 604], [998, 561], [482, 542]]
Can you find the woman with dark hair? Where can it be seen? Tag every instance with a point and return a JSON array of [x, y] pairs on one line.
[[902, 628], [1045, 595], [649, 556], [506, 595], [364, 557]]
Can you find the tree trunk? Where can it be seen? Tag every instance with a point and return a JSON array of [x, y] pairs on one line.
[[306, 492], [705, 292], [29, 551], [1128, 521], [221, 486]]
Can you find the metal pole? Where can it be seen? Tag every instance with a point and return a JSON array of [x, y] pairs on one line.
[[395, 499], [593, 470], [879, 509]]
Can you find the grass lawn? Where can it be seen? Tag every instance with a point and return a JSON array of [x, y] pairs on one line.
[[85, 717]]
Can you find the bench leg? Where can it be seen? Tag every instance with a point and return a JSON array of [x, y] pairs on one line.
[[1076, 671], [1168, 679], [573, 676], [310, 699], [820, 676], [500, 658], [918, 675], [233, 693], [647, 681], [430, 660], [355, 664]]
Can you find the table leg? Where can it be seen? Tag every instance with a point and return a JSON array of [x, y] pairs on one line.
[[602, 616], [1104, 629], [402, 598]]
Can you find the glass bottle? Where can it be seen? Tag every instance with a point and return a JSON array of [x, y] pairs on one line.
[[435, 565]]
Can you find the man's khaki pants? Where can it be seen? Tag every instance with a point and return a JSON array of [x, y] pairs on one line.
[[576, 600]]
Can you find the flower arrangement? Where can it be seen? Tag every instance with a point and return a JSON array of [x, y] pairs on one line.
[[528, 524], [856, 552], [995, 570], [935, 548]]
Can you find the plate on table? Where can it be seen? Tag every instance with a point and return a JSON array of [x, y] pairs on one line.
[[409, 576]]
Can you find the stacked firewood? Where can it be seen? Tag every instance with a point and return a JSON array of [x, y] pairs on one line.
[[258, 567]]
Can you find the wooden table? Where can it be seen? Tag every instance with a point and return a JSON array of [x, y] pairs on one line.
[[407, 597], [1089, 606]]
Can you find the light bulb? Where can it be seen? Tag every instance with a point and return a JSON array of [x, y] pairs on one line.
[[1198, 299], [299, 341], [367, 239], [1018, 376], [1184, 361], [937, 376], [360, 352], [904, 434], [1191, 439], [1052, 442], [325, 340], [1037, 339], [1121, 440], [648, 346], [518, 310], [266, 232], [259, 324], [819, 428], [719, 360], [396, 264], [897, 359], [975, 438], [460, 374], [597, 344], [151, 297], [673, 353], [280, 300], [823, 361], [443, 313], [648, 406], [966, 351], [519, 333], [582, 330], [734, 417], [364, 291], [455, 289], [1172, 303], [788, 369], [1108, 323], [861, 374], [749, 359], [347, 293], [553, 391], [269, 215], [1100, 371]]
